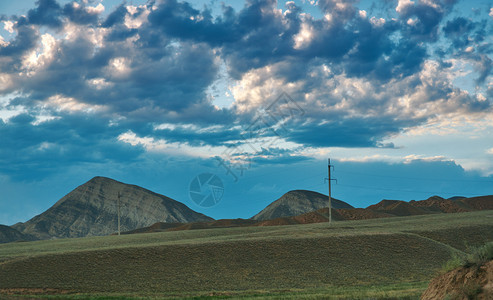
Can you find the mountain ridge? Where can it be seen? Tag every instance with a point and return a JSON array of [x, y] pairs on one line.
[[382, 209], [91, 209]]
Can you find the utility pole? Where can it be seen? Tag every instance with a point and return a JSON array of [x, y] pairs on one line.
[[330, 192], [119, 196]]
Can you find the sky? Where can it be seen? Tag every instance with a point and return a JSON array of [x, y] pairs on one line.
[[254, 95]]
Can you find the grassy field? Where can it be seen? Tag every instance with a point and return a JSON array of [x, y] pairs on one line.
[[378, 258]]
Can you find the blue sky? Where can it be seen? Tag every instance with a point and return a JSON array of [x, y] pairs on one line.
[[399, 94]]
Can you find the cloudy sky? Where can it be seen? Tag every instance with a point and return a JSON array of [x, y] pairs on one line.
[[399, 94]]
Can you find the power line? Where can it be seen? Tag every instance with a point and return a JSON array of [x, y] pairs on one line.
[[405, 191], [417, 178]]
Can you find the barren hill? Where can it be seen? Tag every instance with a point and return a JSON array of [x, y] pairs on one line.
[[91, 209], [479, 203], [9, 234], [438, 204], [397, 208], [296, 203]]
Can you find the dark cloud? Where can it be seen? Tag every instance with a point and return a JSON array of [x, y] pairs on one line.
[[34, 150], [79, 14], [180, 20], [423, 19], [341, 10], [463, 32], [116, 17], [350, 133], [273, 156], [47, 12], [24, 41], [485, 68], [215, 136], [407, 58]]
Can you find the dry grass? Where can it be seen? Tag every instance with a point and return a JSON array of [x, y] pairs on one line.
[[306, 261]]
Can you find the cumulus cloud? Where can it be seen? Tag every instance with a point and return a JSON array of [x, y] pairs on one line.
[[358, 77]]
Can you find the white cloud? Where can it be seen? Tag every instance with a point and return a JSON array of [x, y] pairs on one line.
[[3, 43], [162, 146], [41, 56], [119, 68], [491, 12], [303, 38], [412, 22], [490, 151], [431, 3], [62, 103], [402, 5], [132, 21], [95, 10], [99, 83], [5, 82], [377, 22], [9, 26], [413, 157]]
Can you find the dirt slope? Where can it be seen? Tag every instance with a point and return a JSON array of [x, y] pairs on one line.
[[463, 283]]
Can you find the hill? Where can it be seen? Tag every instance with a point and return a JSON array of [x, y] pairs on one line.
[[91, 210], [397, 208], [9, 234], [297, 202], [479, 203], [434, 204]]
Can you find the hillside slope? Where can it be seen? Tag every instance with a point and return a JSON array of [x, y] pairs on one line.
[[296, 203], [232, 261], [91, 209]]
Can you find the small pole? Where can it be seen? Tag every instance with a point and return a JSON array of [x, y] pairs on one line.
[[330, 192], [330, 197], [119, 195]]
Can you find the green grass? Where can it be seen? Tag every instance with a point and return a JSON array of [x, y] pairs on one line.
[[379, 258], [437, 227], [402, 291], [474, 256]]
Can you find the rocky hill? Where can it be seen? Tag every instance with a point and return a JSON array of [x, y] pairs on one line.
[[91, 209], [296, 203]]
